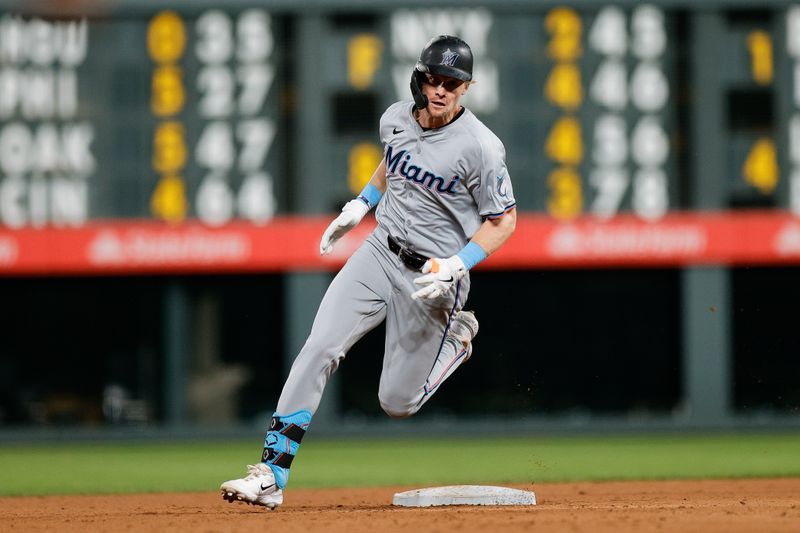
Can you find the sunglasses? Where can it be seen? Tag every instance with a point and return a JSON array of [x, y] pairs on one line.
[[449, 84]]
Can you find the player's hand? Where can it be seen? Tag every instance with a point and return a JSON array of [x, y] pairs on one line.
[[352, 213], [440, 274]]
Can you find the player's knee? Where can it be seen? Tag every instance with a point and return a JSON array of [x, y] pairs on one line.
[[398, 412], [397, 406]]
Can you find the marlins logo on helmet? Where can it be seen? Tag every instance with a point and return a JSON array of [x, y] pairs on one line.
[[449, 58]]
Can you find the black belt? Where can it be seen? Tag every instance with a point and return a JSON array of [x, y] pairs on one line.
[[411, 259]]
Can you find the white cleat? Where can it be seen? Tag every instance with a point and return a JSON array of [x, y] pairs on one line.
[[257, 488], [463, 328]]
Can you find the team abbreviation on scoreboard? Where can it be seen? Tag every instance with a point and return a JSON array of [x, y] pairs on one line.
[[46, 159]]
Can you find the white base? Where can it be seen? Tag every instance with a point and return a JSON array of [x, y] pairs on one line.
[[464, 495]]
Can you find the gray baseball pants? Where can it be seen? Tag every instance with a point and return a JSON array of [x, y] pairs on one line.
[[419, 355]]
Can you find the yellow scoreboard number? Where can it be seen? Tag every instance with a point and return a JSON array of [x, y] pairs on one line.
[[608, 143], [166, 42]]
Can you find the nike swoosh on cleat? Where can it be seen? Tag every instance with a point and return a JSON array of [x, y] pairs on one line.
[[268, 486], [396, 131]]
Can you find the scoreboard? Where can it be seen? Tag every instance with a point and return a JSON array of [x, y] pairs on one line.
[[167, 117], [626, 106], [179, 136]]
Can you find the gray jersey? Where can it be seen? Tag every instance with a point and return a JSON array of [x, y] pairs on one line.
[[441, 183]]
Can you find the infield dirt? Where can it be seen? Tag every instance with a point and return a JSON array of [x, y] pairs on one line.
[[704, 506]]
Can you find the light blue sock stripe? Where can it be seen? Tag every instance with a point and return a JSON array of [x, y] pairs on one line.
[[471, 254], [282, 444], [371, 194]]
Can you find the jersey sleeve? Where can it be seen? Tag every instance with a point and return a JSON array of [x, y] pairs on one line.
[[495, 196], [382, 125], [389, 118]]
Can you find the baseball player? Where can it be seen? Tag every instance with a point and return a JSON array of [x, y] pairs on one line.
[[444, 203]]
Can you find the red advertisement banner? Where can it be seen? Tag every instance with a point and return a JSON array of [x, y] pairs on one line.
[[292, 244]]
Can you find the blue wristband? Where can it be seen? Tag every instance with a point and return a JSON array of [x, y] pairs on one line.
[[471, 255], [370, 195]]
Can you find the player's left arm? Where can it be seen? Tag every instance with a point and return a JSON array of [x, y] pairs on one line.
[[440, 274], [495, 200], [495, 231]]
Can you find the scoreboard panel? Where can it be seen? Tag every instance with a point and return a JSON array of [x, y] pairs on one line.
[[610, 87], [168, 116], [157, 127], [224, 145]]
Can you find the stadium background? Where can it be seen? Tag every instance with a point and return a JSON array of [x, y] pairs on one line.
[[166, 169]]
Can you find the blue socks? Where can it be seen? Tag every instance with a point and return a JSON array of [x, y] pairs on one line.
[[282, 441]]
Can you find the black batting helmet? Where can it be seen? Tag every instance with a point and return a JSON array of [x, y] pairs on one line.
[[444, 55]]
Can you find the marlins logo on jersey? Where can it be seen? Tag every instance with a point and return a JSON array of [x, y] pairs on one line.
[[502, 190], [415, 173]]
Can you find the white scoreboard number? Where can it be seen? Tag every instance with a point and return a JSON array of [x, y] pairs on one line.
[[236, 136], [646, 89], [617, 61]]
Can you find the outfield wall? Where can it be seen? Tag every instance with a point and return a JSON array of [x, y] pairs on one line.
[[166, 170]]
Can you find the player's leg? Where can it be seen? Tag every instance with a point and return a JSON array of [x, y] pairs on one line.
[[354, 303], [426, 341]]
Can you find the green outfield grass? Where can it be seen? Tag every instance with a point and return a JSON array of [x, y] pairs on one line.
[[201, 466]]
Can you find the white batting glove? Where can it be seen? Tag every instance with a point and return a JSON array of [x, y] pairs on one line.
[[352, 213], [440, 274]]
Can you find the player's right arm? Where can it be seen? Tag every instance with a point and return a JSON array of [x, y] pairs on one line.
[[378, 178], [354, 210]]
